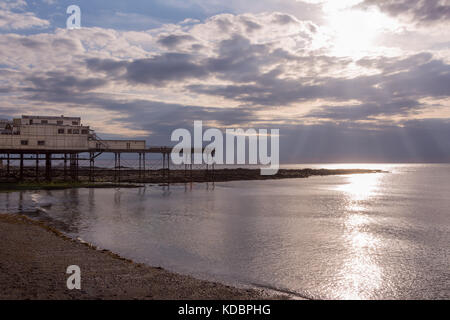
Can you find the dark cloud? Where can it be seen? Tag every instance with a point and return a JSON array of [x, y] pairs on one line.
[[197, 47], [149, 115], [67, 44], [283, 19], [410, 81], [167, 67], [141, 114], [223, 23], [421, 11], [55, 86], [366, 111], [173, 40], [109, 66], [31, 44], [61, 82], [390, 65], [239, 60], [242, 62], [4, 89], [255, 73], [431, 79], [250, 25]]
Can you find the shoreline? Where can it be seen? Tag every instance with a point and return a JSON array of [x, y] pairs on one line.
[[105, 178], [34, 258]]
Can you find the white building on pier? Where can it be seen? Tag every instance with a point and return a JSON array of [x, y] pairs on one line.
[[49, 133]]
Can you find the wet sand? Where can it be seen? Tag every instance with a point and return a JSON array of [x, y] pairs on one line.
[[34, 259]]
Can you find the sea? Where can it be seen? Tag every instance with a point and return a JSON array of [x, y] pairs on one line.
[[360, 236]]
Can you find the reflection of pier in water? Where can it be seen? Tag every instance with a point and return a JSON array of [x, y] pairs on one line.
[[64, 209]]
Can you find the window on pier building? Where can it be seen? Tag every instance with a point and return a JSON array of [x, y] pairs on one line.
[[84, 131], [44, 121], [74, 123], [69, 131], [76, 131], [61, 131], [41, 143], [24, 142], [60, 122]]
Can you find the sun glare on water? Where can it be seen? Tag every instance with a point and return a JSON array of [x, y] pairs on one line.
[[360, 275], [360, 186]]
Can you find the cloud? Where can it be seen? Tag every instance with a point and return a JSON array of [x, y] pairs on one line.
[[366, 111], [14, 17], [62, 84], [156, 117], [400, 78], [163, 68], [423, 11], [283, 19], [250, 24], [388, 65], [13, 4], [110, 66], [172, 41], [266, 69], [236, 68]]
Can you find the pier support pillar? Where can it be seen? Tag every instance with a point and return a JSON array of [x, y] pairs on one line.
[[164, 165], [73, 164], [7, 164], [21, 168], [65, 166], [37, 167], [115, 167], [192, 161], [140, 166], [168, 168], [91, 167], [48, 167], [143, 155], [118, 161], [77, 167]]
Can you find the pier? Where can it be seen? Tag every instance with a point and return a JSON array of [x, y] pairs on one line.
[[29, 147]]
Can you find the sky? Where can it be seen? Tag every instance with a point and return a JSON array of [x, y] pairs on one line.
[[343, 81]]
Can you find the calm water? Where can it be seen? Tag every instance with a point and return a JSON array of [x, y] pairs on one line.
[[375, 236]]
